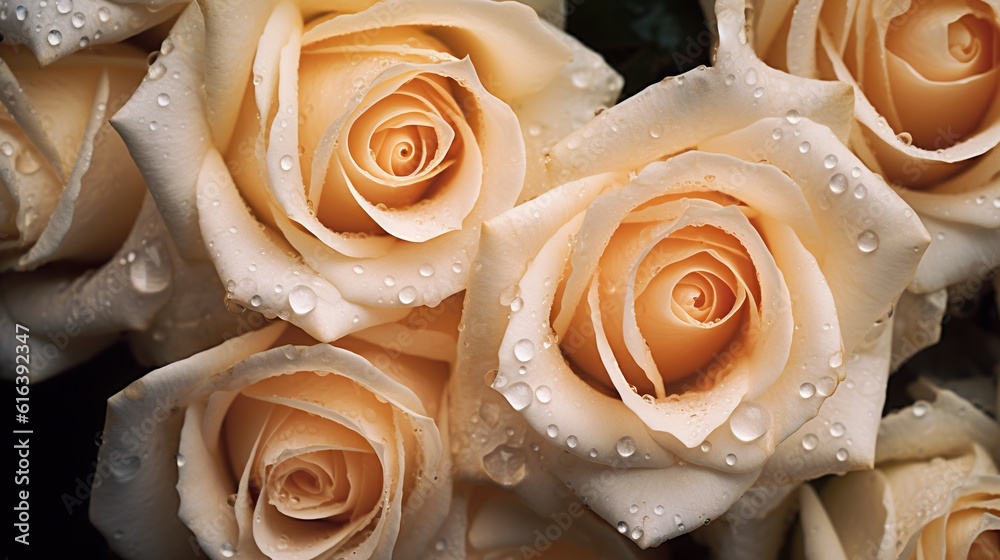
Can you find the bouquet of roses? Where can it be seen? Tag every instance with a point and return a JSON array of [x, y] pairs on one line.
[[411, 279]]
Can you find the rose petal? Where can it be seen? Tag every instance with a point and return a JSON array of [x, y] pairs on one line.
[[101, 22]]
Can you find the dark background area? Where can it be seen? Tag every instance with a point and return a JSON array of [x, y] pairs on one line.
[[645, 40]]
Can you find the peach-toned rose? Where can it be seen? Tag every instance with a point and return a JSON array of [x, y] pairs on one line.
[[343, 156], [663, 329], [279, 447], [926, 75], [933, 494]]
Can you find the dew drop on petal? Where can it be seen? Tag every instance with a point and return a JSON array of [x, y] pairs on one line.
[[407, 295], [572, 442], [804, 147], [543, 393], [505, 465], [838, 183], [524, 350], [426, 270], [358, 269], [228, 550], [830, 161], [286, 162], [552, 431], [807, 390], [519, 395], [920, 408], [78, 20], [163, 100], [625, 446], [867, 241], [302, 299], [730, 459], [749, 421], [793, 117], [54, 37], [104, 14], [860, 192], [622, 527], [658, 509], [809, 442], [706, 447], [842, 454], [837, 429]]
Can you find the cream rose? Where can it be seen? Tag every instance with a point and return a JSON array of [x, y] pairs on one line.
[[273, 446], [69, 198], [486, 523], [926, 76], [932, 495], [663, 329], [341, 162]]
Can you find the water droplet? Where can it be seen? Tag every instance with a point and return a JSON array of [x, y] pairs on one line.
[[860, 192], [838, 183], [777, 133], [625, 446], [837, 429], [20, 12], [749, 421], [830, 161], [228, 550], [78, 20], [519, 395], [826, 386], [125, 468], [867, 241], [622, 527], [407, 295], [809, 442], [793, 117], [804, 147], [543, 393], [256, 301], [920, 408], [286, 162], [678, 520], [104, 14], [593, 453], [706, 447], [807, 390], [842, 454], [456, 267], [7, 149], [505, 465], [426, 270], [524, 350], [163, 100], [54, 37], [64, 6], [84, 42], [358, 269], [905, 137], [552, 431], [148, 277], [837, 359], [658, 509], [730, 459], [516, 304], [302, 299], [180, 460], [758, 93], [750, 77], [572, 442], [636, 534], [655, 130], [156, 71], [634, 508]]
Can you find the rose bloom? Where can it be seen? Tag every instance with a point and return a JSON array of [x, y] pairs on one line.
[[70, 195], [272, 445], [342, 156], [934, 493], [926, 76], [487, 523], [663, 329]]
